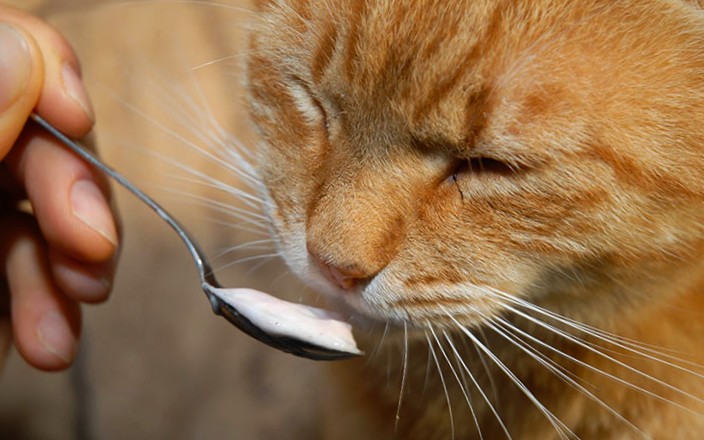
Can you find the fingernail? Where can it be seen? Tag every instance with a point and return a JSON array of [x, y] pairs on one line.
[[94, 289], [90, 207], [89, 287], [73, 86], [56, 337], [15, 65]]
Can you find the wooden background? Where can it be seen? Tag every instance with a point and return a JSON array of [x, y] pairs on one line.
[[155, 363]]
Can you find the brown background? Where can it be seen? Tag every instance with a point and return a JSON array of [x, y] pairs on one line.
[[155, 363]]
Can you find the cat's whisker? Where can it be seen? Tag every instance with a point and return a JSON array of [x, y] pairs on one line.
[[459, 380], [223, 146], [250, 216], [615, 361], [227, 166], [255, 245], [652, 353], [257, 266], [183, 111], [209, 131], [428, 369], [229, 145], [223, 207], [657, 354], [509, 334], [497, 324], [628, 367], [638, 350], [212, 4], [223, 59], [246, 223], [240, 153], [560, 428], [379, 344], [442, 382], [557, 365], [202, 179], [404, 376], [251, 245], [240, 227], [482, 359], [464, 366], [247, 259], [283, 273]]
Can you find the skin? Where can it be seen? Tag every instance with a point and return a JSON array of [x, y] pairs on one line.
[[62, 252]]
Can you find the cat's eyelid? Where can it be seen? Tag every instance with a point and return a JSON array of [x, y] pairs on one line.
[[474, 158], [307, 102], [322, 110], [479, 166]]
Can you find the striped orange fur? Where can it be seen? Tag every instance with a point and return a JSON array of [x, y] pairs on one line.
[[498, 179]]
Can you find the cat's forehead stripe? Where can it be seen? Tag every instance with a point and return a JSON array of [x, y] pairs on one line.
[[324, 53]]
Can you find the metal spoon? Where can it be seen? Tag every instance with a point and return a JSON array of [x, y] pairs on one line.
[[209, 283]]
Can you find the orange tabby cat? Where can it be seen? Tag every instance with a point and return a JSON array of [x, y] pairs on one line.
[[507, 196]]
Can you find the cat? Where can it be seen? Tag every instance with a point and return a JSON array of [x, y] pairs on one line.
[[506, 197]]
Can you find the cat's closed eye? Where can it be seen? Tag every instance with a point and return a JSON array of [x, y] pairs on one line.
[[481, 166]]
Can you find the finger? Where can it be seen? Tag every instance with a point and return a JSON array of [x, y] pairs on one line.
[[46, 324], [5, 340], [21, 80], [70, 200], [5, 324], [11, 190], [89, 283], [63, 100]]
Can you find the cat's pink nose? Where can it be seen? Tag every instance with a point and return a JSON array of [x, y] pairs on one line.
[[345, 278]]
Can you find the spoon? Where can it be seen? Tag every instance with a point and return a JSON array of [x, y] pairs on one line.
[[303, 331]]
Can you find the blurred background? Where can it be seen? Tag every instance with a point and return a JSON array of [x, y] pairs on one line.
[[155, 363]]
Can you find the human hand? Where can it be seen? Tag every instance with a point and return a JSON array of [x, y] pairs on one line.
[[62, 251]]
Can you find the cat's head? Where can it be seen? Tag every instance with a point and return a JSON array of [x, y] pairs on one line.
[[423, 159]]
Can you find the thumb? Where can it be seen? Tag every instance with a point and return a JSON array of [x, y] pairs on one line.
[[21, 79]]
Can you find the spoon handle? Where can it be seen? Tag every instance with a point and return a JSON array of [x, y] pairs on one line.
[[204, 269]]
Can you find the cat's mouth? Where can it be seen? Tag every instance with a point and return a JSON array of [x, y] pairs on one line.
[[396, 296], [379, 300]]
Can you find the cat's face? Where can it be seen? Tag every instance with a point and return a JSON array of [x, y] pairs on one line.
[[424, 158]]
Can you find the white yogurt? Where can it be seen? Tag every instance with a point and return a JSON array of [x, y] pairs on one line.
[[282, 318]]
